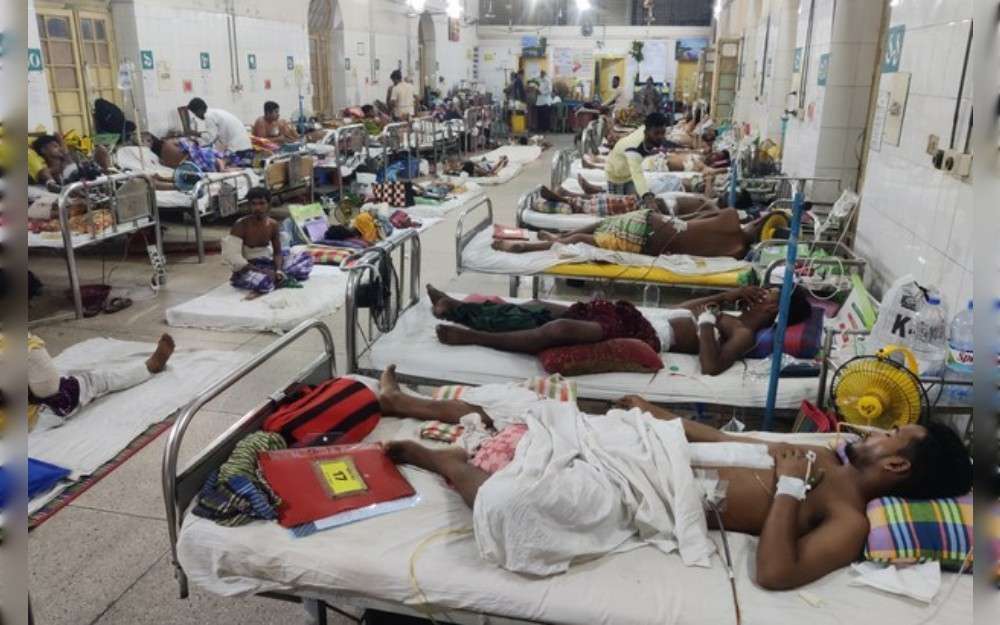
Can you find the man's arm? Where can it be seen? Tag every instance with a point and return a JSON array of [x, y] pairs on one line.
[[260, 128], [784, 559], [276, 246], [634, 160], [716, 359]]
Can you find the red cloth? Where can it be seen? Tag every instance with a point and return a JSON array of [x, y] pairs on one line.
[[629, 355], [619, 320]]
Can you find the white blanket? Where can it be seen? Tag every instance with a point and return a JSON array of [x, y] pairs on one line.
[[479, 255], [225, 308], [427, 211], [582, 487], [98, 431]]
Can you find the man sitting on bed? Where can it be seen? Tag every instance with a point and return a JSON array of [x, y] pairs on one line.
[[808, 509], [475, 169], [651, 233], [694, 327], [272, 128], [252, 249]]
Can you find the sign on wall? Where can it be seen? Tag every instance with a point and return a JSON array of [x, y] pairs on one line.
[[823, 73], [797, 61], [454, 29], [893, 48], [252, 61], [34, 60], [654, 61], [289, 63], [572, 63], [146, 59], [206, 61]]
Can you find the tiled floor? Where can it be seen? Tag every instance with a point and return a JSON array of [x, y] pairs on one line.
[[104, 559]]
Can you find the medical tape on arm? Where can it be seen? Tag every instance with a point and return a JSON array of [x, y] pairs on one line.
[[232, 253]]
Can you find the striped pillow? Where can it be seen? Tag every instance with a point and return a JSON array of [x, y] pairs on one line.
[[907, 531], [552, 387]]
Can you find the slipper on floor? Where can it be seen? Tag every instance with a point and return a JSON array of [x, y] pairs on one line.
[[116, 304]]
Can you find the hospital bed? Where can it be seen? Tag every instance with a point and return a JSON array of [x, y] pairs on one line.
[[476, 121], [396, 139], [423, 560], [290, 173], [474, 255], [213, 195], [499, 131], [350, 151], [131, 201]]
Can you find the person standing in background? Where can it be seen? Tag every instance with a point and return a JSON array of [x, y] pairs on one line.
[[649, 97], [617, 100], [543, 103], [224, 132], [402, 97]]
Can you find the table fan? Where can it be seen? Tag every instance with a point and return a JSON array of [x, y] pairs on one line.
[[876, 391], [187, 175]]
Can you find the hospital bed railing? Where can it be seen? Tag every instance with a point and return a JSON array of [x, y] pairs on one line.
[[365, 270], [840, 260], [454, 132], [396, 138], [475, 138], [561, 165], [350, 148], [427, 137], [105, 190], [499, 130], [297, 177], [590, 139], [226, 198], [180, 487]]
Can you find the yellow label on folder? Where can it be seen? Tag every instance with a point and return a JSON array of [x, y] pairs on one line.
[[341, 477]]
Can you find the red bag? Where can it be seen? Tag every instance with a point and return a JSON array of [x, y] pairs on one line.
[[337, 411]]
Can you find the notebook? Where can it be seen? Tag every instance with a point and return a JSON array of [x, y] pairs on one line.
[[316, 483]]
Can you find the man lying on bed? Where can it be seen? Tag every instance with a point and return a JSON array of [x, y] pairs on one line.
[[651, 233], [174, 151], [252, 249], [594, 201], [694, 327], [474, 168], [582, 486]]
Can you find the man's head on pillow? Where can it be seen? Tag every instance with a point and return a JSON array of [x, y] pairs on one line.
[[761, 310], [914, 461]]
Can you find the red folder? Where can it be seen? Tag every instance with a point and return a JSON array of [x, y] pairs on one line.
[[318, 482]]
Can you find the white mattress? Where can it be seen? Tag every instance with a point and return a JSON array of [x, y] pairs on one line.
[[54, 240], [225, 309], [564, 223], [598, 176], [480, 256], [642, 587], [413, 346]]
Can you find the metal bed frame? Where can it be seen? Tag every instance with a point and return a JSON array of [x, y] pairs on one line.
[[562, 162], [424, 137], [296, 180], [228, 196], [349, 142], [395, 139], [119, 227], [476, 119], [499, 131]]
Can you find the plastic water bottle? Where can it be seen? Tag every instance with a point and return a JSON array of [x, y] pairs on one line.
[[930, 329], [960, 356]]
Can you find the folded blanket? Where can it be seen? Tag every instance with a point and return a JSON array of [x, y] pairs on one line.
[[236, 493], [582, 486]]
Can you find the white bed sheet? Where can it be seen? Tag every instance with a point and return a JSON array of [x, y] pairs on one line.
[[102, 429], [413, 346], [480, 256], [225, 309], [642, 587], [564, 223]]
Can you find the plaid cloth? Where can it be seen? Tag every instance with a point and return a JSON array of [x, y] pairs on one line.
[[621, 188], [906, 531], [551, 387], [236, 493], [324, 255], [204, 158], [441, 431], [624, 233]]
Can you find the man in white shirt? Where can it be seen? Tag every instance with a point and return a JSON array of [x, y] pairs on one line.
[[543, 102], [223, 131], [618, 99], [402, 97]]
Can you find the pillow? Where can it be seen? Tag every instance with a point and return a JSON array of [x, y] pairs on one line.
[[802, 340], [630, 355], [905, 531]]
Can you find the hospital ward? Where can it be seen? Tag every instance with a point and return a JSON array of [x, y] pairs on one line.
[[420, 312]]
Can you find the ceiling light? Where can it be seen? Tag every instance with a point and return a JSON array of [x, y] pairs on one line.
[[417, 5], [454, 9], [582, 5]]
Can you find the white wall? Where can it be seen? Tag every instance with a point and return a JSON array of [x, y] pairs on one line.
[[39, 106], [914, 219], [505, 46]]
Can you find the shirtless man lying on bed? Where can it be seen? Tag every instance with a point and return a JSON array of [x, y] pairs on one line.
[[475, 169], [695, 327], [252, 249], [653, 234], [595, 201], [174, 151], [806, 529]]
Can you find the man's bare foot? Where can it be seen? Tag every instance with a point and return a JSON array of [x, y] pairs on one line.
[[550, 195], [514, 247], [588, 187], [389, 391], [452, 335], [164, 349], [441, 303]]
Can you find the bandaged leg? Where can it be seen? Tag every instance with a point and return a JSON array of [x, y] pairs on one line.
[[96, 383]]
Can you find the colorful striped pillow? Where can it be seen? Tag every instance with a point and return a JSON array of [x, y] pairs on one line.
[[909, 530], [553, 387]]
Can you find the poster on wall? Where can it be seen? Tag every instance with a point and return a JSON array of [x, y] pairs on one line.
[[654, 61], [454, 29], [689, 49], [823, 73], [146, 60], [573, 63], [893, 49], [205, 61]]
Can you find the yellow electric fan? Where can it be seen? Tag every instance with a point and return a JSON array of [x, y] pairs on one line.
[[876, 391], [774, 223]]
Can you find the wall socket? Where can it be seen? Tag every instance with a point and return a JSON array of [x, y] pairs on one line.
[[932, 144], [956, 163]]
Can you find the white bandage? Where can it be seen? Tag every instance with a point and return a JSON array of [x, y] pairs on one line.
[[232, 252], [791, 486], [707, 317], [679, 224]]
